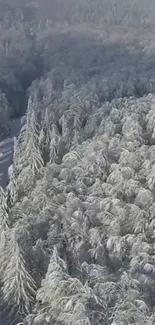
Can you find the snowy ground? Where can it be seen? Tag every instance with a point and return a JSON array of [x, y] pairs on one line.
[[6, 150]]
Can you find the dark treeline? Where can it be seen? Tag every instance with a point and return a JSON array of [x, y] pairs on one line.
[[77, 242]]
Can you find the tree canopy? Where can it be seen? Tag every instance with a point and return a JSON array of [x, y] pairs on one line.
[[77, 242]]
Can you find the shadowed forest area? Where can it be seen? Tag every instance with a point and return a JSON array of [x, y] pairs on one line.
[[77, 237]]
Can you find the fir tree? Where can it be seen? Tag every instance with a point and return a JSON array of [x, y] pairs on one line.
[[19, 288]]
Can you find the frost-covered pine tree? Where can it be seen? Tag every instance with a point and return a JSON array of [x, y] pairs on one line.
[[19, 288], [65, 299], [12, 190], [54, 145], [4, 217], [130, 308], [29, 159], [4, 231], [76, 130], [46, 134]]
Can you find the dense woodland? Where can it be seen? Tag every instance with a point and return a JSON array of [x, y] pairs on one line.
[[77, 228]]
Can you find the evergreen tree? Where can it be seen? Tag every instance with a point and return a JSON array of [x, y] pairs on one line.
[[19, 288], [29, 159], [65, 299]]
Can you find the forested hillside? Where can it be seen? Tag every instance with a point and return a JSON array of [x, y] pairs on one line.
[[77, 226]]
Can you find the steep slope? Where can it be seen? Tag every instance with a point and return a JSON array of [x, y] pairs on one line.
[[77, 229], [84, 195]]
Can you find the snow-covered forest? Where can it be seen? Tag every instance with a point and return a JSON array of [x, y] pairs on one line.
[[77, 217]]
